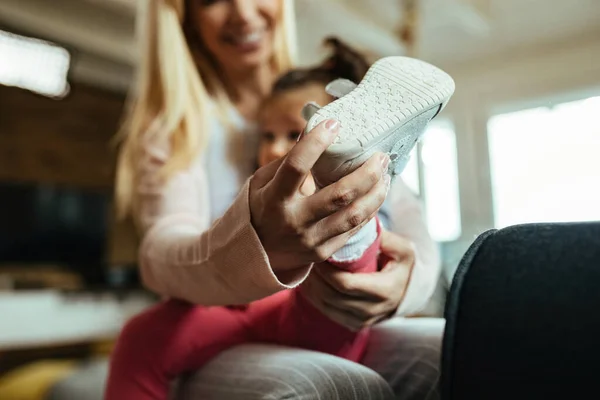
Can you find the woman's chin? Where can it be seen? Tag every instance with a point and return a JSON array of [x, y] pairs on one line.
[[250, 56], [249, 62]]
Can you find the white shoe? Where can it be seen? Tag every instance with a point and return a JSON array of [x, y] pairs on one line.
[[387, 112]]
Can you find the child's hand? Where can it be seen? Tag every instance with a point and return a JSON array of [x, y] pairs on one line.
[[297, 229]]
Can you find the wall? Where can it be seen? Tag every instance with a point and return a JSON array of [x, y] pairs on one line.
[[63, 142]]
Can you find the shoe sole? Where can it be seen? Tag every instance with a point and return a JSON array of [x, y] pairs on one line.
[[395, 91]]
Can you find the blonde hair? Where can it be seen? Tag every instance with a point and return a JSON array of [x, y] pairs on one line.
[[176, 82]]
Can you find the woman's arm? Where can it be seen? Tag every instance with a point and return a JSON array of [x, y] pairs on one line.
[[183, 256], [271, 225], [407, 220]]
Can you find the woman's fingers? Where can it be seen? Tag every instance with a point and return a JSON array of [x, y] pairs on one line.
[[346, 293], [297, 227], [265, 174], [342, 317], [322, 296], [302, 157], [351, 312], [327, 235], [362, 311], [348, 189], [396, 247], [385, 284], [339, 226]]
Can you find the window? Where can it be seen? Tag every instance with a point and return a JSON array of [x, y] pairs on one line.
[[410, 175], [34, 65], [545, 164], [438, 169]]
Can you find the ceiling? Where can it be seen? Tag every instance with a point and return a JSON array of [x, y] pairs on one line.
[[452, 32]]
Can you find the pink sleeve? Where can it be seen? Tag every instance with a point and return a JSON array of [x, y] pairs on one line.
[[407, 220], [183, 256]]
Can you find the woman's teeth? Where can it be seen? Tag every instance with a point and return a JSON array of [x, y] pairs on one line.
[[249, 38]]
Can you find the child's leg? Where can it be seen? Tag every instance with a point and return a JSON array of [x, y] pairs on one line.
[[175, 337], [169, 339], [290, 319]]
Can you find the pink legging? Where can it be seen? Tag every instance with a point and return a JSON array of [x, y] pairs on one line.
[[175, 337]]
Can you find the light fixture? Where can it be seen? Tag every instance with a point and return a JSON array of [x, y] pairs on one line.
[[32, 64]]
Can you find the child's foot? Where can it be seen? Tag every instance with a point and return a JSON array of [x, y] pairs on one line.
[[387, 112]]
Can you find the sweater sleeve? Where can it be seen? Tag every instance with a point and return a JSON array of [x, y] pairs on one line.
[[407, 220], [183, 256]]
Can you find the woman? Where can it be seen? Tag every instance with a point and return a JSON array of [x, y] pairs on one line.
[[211, 239]]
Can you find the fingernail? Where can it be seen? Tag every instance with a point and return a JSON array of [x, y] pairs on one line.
[[387, 180], [385, 162], [332, 125]]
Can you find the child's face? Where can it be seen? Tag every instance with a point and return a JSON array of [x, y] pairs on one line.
[[281, 120]]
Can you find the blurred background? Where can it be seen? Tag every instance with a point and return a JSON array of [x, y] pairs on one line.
[[519, 142]]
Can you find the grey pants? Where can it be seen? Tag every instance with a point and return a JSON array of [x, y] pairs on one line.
[[402, 362]]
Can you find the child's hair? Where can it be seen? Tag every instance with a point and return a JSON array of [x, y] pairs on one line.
[[345, 62]]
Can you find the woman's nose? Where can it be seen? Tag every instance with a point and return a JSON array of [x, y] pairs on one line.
[[245, 10]]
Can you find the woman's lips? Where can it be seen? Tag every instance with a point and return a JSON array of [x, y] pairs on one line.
[[246, 42]]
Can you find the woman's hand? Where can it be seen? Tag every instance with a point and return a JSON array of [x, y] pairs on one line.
[[358, 300], [298, 228]]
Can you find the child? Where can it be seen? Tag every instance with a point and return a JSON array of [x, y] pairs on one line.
[[182, 337], [281, 115]]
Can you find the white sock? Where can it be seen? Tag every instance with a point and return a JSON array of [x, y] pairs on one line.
[[358, 243]]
